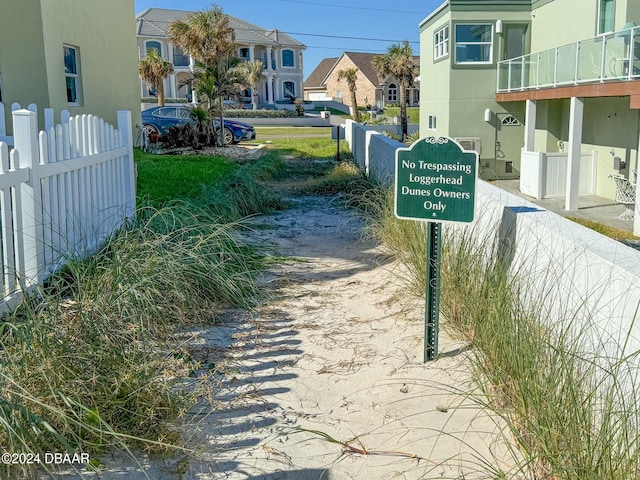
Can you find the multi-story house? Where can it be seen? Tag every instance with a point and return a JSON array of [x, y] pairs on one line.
[[546, 90], [324, 82], [280, 54], [75, 55]]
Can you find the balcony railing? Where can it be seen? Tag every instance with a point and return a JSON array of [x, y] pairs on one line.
[[613, 56]]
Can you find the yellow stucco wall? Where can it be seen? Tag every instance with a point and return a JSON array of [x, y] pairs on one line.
[[32, 35], [22, 62], [104, 33]]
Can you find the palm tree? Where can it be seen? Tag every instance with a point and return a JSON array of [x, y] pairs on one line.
[[398, 62], [153, 69], [350, 75], [253, 72], [207, 36]]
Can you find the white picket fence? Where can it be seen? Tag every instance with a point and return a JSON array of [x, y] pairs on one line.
[[63, 191]]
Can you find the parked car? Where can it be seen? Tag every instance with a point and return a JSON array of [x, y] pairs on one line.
[[157, 120]]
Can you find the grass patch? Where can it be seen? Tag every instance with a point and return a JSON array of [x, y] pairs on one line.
[[165, 177], [265, 132], [308, 147], [325, 178], [611, 232], [412, 112], [571, 411]]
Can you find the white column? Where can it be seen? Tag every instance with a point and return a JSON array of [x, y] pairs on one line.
[[277, 89], [530, 126], [269, 59], [575, 147], [252, 53], [269, 88], [172, 86], [636, 217]]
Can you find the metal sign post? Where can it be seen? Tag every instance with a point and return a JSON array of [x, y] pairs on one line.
[[435, 182], [337, 133]]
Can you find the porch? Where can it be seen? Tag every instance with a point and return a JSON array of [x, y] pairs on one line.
[[590, 207]]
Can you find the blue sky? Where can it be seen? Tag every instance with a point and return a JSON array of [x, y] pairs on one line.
[[317, 23]]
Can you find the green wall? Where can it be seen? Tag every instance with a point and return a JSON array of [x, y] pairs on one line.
[[22, 58], [32, 35], [104, 32]]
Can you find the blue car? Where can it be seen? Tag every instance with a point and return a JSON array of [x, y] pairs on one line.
[[157, 120]]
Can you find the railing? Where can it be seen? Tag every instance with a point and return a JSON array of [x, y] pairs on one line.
[[63, 191], [613, 56]]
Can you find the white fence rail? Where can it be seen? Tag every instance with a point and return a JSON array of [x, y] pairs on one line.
[[62, 192]]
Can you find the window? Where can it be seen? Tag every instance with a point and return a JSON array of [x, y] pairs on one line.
[[474, 43], [287, 58], [289, 89], [179, 57], [431, 122], [605, 16], [441, 43], [153, 44], [392, 93], [71, 73]]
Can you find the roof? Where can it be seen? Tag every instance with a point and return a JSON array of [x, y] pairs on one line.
[[154, 22], [318, 76], [363, 61]]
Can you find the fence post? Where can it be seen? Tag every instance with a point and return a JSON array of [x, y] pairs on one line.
[[126, 136], [25, 133]]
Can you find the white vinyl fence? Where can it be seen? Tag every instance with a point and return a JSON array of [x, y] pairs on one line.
[[63, 191]]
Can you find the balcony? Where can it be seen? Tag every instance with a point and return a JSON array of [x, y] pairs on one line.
[[610, 57]]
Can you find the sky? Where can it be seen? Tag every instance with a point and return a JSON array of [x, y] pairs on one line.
[[327, 28]]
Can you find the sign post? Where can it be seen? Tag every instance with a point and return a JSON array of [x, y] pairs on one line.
[[435, 182]]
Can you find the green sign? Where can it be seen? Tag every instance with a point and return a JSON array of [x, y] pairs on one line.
[[436, 181]]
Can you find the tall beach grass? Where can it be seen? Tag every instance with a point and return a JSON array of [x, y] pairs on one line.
[[571, 410]]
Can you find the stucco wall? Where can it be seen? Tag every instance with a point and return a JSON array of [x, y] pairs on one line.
[[22, 56], [104, 33]]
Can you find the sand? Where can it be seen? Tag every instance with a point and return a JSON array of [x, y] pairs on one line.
[[326, 380]]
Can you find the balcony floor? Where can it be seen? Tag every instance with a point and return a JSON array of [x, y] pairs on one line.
[[590, 207]]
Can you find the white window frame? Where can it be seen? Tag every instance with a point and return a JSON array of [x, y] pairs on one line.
[[293, 58], [456, 43], [395, 91], [146, 46], [431, 122], [441, 43], [613, 16], [75, 76]]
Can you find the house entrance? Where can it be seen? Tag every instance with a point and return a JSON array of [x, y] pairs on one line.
[[509, 135]]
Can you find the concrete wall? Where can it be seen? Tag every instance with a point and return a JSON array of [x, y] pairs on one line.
[[567, 268]]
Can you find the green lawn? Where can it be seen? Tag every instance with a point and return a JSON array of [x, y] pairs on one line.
[[308, 147], [412, 112], [165, 177], [262, 132]]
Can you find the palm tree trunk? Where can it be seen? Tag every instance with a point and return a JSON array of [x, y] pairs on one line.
[[404, 128], [354, 103], [221, 123], [160, 89]]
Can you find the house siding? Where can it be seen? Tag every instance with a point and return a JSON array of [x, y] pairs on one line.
[[32, 35]]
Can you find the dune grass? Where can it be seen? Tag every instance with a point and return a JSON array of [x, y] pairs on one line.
[[91, 363], [571, 411]]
